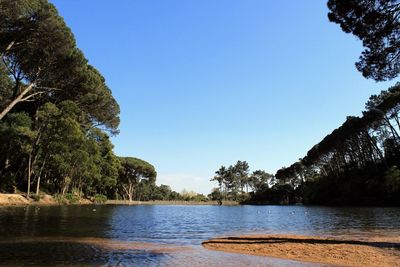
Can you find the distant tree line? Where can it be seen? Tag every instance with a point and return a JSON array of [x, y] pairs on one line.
[[137, 182], [358, 163], [237, 183]]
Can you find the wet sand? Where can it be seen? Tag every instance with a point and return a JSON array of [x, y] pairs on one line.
[[372, 251], [92, 251], [104, 243]]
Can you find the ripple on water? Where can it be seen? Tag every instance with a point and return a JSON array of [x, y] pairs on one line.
[[116, 230]]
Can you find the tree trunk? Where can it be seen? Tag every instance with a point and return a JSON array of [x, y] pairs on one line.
[[396, 136], [65, 185], [130, 192], [38, 186], [40, 174], [396, 118], [29, 175], [8, 48], [375, 146], [130, 195]]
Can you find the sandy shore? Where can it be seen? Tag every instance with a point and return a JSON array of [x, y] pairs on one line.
[[20, 200], [12, 199], [376, 251]]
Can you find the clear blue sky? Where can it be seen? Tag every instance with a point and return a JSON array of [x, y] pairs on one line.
[[204, 83]]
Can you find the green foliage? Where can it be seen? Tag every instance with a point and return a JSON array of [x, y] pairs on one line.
[[68, 198], [72, 198], [215, 195], [356, 163], [56, 108], [199, 198], [392, 180], [35, 197], [376, 23], [136, 174], [192, 196], [60, 199], [235, 181], [100, 199]]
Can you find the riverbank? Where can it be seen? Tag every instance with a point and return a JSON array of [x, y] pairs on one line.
[[170, 202], [374, 251], [47, 200], [44, 200]]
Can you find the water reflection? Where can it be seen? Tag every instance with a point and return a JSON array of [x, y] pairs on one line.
[[191, 225], [117, 235], [54, 221], [100, 252]]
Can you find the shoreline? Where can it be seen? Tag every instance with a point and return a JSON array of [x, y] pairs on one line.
[[169, 202], [372, 251], [14, 200]]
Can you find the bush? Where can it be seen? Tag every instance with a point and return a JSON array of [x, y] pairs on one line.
[[72, 198], [99, 199], [60, 199], [242, 198], [392, 179], [68, 198], [35, 197]]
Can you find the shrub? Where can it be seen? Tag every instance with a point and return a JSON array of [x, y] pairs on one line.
[[72, 198], [100, 199], [392, 179], [35, 197], [60, 199]]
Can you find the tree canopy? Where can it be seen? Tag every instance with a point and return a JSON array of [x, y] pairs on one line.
[[39, 55], [56, 110], [377, 24]]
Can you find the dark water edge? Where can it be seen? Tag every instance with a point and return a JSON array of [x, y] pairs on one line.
[[121, 235], [73, 254]]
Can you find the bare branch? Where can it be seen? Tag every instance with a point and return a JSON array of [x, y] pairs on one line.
[[48, 88], [31, 96]]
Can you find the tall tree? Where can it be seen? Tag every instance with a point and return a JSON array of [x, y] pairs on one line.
[[377, 24], [132, 172], [33, 44]]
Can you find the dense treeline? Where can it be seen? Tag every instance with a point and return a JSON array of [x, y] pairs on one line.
[[56, 114], [358, 162], [355, 164]]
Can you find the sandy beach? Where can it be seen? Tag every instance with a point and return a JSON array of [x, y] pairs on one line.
[[374, 251], [45, 200], [48, 200]]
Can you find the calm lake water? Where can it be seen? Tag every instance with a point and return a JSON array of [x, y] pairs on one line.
[[114, 235]]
